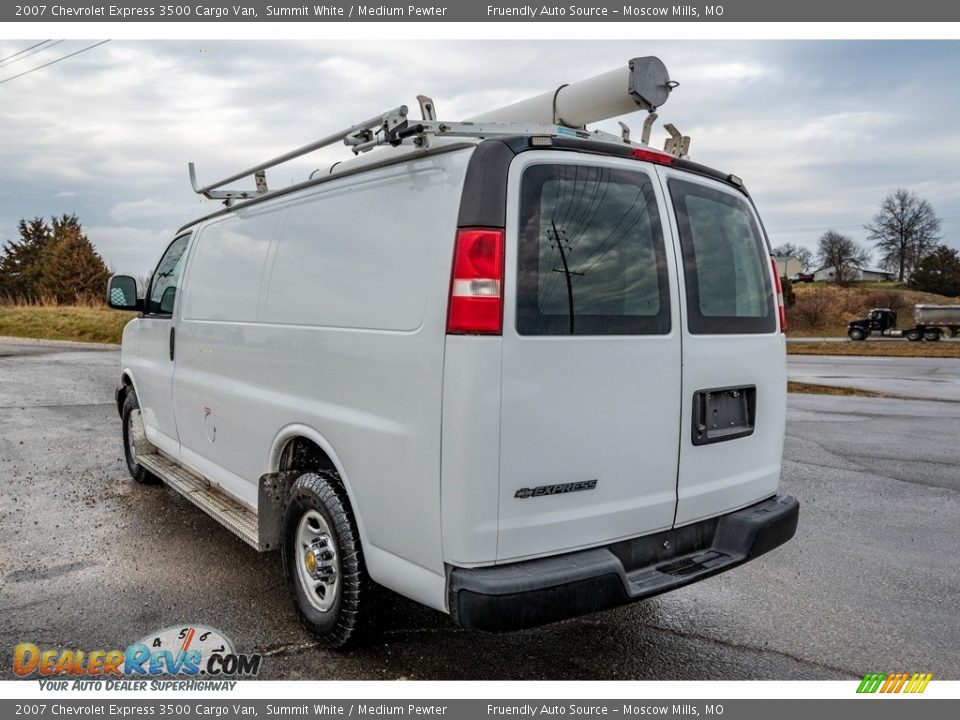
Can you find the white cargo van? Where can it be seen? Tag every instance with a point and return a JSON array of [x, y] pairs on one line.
[[510, 368]]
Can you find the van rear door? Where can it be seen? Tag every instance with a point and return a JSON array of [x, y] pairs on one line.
[[591, 375], [734, 367]]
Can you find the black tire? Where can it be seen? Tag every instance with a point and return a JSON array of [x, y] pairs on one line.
[[318, 506], [931, 335], [856, 334], [913, 335], [137, 472]]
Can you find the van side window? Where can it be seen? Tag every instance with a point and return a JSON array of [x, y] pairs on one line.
[[591, 253], [163, 284], [725, 262]]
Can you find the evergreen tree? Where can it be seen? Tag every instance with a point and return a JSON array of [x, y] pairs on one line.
[[71, 270], [21, 262], [939, 272]]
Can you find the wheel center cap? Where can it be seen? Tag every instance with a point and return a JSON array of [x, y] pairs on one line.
[[310, 561]]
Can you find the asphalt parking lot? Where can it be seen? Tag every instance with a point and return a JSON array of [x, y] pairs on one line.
[[912, 377], [90, 560]]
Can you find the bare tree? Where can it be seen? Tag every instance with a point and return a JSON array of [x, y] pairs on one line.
[[790, 250], [905, 231], [841, 254]]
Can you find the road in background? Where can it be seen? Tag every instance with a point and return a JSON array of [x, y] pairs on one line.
[[929, 378], [873, 339], [91, 560]]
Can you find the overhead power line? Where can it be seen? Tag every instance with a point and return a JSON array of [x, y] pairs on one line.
[[23, 51], [53, 62], [34, 52]]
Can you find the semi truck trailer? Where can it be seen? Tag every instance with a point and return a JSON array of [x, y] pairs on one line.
[[931, 323]]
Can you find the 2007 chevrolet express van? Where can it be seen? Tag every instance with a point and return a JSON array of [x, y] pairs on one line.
[[514, 370]]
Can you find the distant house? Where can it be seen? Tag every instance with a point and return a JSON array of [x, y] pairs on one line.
[[857, 273], [788, 265], [875, 274]]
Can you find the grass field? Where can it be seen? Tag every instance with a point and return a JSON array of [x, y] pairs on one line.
[[881, 348], [51, 322], [100, 324], [810, 388]]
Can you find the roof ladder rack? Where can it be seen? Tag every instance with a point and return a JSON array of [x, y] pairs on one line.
[[643, 83], [358, 135]]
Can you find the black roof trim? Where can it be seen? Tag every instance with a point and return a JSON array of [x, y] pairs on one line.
[[483, 202], [602, 148]]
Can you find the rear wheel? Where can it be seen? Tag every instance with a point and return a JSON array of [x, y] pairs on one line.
[[323, 561], [913, 335], [132, 433], [932, 335], [856, 334]]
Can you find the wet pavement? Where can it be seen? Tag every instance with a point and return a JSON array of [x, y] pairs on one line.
[[89, 559], [912, 377]]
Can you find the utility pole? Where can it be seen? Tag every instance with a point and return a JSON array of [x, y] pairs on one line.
[[566, 271]]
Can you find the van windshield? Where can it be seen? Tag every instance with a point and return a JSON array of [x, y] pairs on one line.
[[591, 253], [725, 262]]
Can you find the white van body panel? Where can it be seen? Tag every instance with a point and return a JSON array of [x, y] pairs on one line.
[[321, 314], [153, 368], [403, 576], [586, 407], [717, 478], [470, 468], [216, 381], [347, 339]]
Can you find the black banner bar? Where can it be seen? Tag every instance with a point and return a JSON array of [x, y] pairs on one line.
[[635, 11], [228, 708]]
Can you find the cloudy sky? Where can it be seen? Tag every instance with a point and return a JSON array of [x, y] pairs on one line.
[[821, 131]]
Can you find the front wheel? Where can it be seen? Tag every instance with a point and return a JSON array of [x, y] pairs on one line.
[[323, 561], [856, 334], [133, 433]]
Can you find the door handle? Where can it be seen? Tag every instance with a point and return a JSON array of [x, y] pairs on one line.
[[173, 335]]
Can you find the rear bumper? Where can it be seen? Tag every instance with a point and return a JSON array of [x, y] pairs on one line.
[[535, 592]]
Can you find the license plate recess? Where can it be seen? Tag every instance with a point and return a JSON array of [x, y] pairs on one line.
[[721, 414]]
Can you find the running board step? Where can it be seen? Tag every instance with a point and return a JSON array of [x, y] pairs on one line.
[[237, 518]]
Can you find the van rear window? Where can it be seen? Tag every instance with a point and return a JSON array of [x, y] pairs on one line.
[[725, 262], [591, 253]]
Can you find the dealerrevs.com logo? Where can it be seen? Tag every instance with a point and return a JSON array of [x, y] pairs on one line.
[[184, 651]]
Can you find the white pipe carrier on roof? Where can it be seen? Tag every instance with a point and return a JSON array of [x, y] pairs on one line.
[[643, 84]]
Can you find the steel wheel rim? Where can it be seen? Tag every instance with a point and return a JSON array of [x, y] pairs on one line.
[[131, 440], [319, 575]]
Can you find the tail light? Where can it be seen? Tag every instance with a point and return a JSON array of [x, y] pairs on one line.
[[476, 288], [778, 287]]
